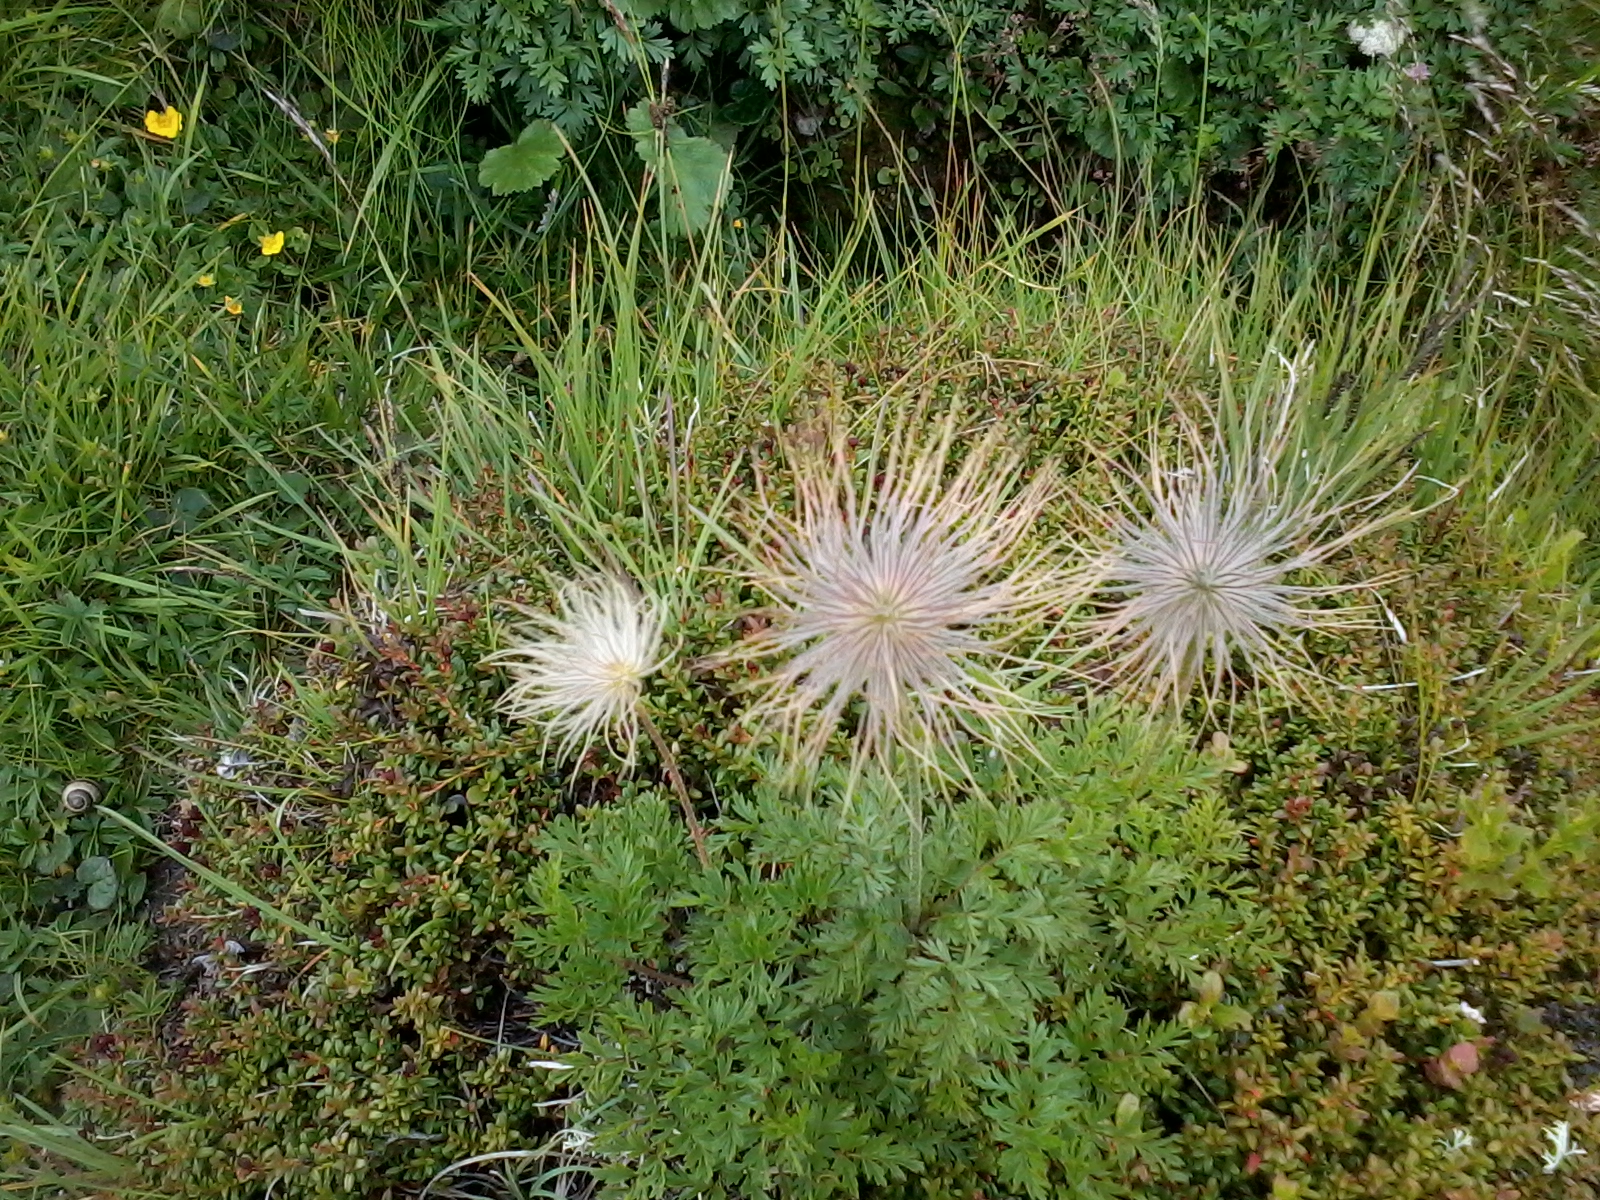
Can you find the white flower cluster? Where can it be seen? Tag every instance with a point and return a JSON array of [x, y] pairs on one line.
[[1382, 38], [582, 672], [899, 595]]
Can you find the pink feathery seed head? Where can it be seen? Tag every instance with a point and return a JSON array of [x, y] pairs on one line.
[[1196, 562], [901, 592]]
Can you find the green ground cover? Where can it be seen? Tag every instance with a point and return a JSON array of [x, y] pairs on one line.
[[340, 926]]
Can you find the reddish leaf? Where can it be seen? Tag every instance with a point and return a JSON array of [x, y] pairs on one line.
[[1452, 1067]]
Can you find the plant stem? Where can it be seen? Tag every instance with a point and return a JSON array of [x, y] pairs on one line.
[[696, 830]]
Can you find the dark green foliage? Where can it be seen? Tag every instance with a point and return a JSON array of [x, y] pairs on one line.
[[576, 63], [1180, 91], [1188, 90]]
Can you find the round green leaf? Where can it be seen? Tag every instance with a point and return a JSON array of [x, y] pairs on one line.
[[525, 164], [694, 174], [181, 18]]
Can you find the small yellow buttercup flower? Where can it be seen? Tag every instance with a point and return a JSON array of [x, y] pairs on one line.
[[232, 306], [167, 124], [271, 243], [206, 280], [331, 136]]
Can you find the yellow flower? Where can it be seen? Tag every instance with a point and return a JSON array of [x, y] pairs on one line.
[[233, 307], [271, 243], [206, 280], [331, 136], [167, 124], [738, 224]]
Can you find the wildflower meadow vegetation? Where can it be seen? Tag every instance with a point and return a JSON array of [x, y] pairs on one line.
[[822, 600]]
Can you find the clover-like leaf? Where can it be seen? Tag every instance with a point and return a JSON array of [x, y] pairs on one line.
[[50, 855], [101, 879], [525, 163]]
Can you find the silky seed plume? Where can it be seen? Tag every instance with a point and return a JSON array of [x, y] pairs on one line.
[[903, 591], [581, 672]]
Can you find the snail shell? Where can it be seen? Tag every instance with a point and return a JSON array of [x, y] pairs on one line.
[[79, 796]]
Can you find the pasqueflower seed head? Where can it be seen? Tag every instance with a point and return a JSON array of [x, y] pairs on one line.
[[580, 672], [1197, 563], [902, 591]]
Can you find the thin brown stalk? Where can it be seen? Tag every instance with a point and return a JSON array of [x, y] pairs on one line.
[[696, 830]]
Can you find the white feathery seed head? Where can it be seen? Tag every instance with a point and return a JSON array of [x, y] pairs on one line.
[[903, 591], [581, 671], [1197, 562]]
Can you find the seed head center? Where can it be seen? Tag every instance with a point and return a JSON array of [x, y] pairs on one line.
[[618, 672], [886, 608]]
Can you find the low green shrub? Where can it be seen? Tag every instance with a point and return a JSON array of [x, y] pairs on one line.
[[854, 993], [1073, 974], [1427, 862]]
